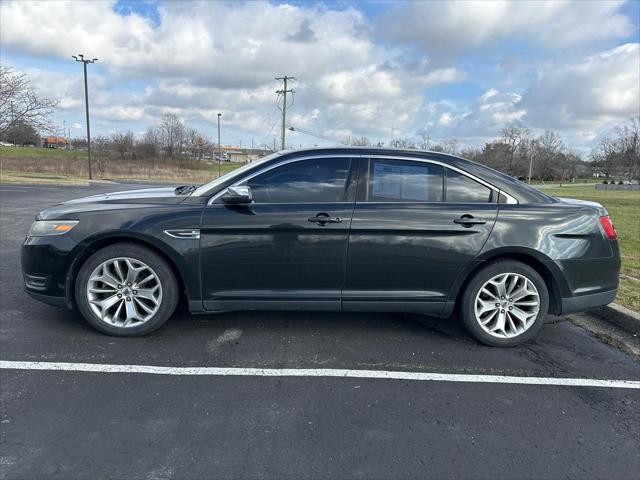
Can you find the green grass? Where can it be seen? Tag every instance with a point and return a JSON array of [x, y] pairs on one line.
[[35, 152], [624, 210]]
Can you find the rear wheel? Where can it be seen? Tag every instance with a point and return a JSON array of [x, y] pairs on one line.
[[504, 304], [126, 290]]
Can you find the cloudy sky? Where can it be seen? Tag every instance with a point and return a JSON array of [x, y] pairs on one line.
[[381, 69]]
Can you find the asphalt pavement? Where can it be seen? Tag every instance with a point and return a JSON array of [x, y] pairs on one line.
[[75, 424]]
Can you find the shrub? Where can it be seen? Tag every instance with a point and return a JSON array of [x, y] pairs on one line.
[[605, 182]]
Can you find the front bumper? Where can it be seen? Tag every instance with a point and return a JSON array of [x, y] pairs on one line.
[[587, 302], [46, 262], [48, 299]]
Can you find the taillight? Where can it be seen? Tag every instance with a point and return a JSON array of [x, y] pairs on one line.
[[608, 228]]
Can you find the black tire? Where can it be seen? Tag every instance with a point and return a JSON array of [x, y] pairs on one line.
[[163, 271], [466, 308]]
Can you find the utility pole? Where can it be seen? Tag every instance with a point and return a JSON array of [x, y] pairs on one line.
[[284, 92], [219, 148], [80, 58]]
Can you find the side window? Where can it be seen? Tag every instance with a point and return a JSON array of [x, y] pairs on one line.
[[404, 181], [320, 180], [462, 189]]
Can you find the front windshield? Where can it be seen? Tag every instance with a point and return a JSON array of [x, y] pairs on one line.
[[207, 187]]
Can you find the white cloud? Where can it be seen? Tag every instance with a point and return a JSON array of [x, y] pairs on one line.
[[198, 61], [456, 27], [600, 89], [581, 99]]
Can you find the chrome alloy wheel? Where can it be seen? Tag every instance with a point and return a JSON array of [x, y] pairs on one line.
[[124, 292], [507, 305]]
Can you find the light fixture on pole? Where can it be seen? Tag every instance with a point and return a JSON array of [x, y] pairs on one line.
[[85, 61]]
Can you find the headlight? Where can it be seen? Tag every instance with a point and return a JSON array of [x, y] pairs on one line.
[[42, 228]]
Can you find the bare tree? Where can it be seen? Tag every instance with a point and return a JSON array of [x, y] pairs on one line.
[[403, 142], [550, 150], [628, 145], [172, 133], [100, 147], [19, 102], [424, 138], [149, 146], [123, 143], [514, 135], [356, 141], [605, 156]]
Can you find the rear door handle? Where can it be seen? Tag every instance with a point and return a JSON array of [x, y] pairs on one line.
[[468, 220], [324, 218]]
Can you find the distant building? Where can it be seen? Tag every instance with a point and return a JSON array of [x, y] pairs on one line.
[[244, 155], [55, 142]]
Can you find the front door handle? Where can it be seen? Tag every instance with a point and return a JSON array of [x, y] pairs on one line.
[[468, 221], [324, 218]]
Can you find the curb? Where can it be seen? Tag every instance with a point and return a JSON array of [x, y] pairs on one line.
[[620, 316]]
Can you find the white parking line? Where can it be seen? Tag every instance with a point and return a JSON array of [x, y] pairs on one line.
[[316, 372]]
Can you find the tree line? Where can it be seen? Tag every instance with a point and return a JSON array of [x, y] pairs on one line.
[[517, 151], [520, 153]]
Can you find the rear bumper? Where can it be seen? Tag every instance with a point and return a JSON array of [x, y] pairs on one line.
[[587, 302]]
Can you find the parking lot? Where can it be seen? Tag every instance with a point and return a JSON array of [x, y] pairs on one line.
[[263, 423]]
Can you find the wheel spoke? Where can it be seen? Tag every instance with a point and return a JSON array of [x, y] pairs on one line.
[[132, 312], [106, 304], [485, 306], [523, 317], [132, 271], [511, 324], [106, 278], [490, 317], [144, 306], [531, 303], [116, 315], [489, 294], [148, 293], [102, 290], [118, 268], [499, 325], [146, 279]]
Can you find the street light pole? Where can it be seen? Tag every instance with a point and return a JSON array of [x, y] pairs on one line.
[[219, 148], [80, 58]]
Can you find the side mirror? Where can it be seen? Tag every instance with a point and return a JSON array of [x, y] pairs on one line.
[[237, 195]]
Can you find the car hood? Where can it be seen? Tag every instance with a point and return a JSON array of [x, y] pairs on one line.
[[114, 200]]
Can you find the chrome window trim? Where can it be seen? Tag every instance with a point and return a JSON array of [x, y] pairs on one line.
[[510, 199]]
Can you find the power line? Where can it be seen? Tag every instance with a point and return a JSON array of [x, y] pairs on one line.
[[307, 132], [284, 92]]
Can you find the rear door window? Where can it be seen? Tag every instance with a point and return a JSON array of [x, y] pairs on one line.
[[463, 189], [404, 181]]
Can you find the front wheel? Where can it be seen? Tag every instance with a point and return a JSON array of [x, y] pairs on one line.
[[126, 290], [505, 304]]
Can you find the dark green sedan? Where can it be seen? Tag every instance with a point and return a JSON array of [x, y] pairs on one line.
[[338, 229]]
